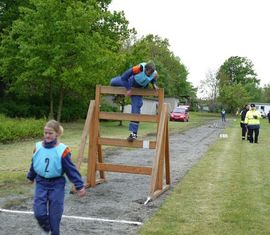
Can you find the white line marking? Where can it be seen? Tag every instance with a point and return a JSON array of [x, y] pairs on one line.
[[77, 217]]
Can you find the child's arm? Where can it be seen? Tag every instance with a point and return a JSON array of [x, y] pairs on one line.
[[71, 171], [31, 174]]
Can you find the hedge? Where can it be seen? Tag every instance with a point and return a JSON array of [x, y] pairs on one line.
[[16, 129]]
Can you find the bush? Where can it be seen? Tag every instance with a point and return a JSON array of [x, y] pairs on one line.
[[20, 129], [14, 109]]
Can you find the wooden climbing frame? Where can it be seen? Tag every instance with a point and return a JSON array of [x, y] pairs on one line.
[[161, 161]]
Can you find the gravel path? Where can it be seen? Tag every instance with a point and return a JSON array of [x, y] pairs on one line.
[[121, 198]]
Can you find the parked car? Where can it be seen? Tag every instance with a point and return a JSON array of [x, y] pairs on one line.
[[179, 114]]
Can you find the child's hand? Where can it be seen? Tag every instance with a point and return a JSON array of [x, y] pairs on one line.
[[128, 93], [82, 192], [156, 88], [30, 181]]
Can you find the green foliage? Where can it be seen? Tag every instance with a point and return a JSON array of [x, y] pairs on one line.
[[233, 97], [9, 11], [237, 70], [108, 108], [266, 94], [238, 83], [74, 109], [15, 109], [57, 47], [19, 129], [172, 74]]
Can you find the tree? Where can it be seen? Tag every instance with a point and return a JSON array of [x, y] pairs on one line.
[[58, 48], [172, 73], [266, 93], [237, 74], [209, 89], [238, 70], [234, 96]]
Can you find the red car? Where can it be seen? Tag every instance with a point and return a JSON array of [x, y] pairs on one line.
[[179, 114]]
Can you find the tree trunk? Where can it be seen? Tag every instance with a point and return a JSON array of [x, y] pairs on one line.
[[122, 110], [60, 105], [51, 116]]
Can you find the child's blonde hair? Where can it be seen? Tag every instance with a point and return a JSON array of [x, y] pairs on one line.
[[56, 126]]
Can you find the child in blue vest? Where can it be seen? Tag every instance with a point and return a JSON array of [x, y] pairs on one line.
[[51, 160], [138, 76]]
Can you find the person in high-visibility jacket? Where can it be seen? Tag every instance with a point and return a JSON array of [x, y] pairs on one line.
[[138, 76], [253, 123], [243, 124]]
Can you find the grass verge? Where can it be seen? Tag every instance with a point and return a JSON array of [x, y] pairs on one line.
[[227, 192]]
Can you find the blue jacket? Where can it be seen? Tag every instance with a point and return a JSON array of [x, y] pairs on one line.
[[137, 73], [67, 166]]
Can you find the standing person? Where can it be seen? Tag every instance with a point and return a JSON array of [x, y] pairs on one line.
[[268, 116], [138, 76], [243, 125], [253, 123], [223, 115], [51, 160]]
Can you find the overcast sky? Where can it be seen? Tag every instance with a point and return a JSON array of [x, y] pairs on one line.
[[204, 33]]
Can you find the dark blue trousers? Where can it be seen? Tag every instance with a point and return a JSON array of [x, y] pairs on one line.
[[49, 203], [136, 100], [256, 131]]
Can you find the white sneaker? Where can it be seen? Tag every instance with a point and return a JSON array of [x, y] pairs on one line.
[[132, 137]]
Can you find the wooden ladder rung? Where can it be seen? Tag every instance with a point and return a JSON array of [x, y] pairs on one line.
[[125, 143], [143, 170], [122, 91], [128, 117]]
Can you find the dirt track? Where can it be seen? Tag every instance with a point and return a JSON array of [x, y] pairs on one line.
[[122, 197]]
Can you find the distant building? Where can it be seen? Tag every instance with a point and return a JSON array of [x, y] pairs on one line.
[[150, 106]]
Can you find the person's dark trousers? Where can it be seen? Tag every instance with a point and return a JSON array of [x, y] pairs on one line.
[[244, 130], [250, 135], [256, 132], [136, 100], [136, 104], [49, 204], [248, 132]]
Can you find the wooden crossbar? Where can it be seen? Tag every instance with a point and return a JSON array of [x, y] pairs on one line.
[[128, 117], [143, 170], [122, 91], [125, 143]]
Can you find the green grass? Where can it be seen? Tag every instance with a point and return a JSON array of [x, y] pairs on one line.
[[15, 158], [227, 192]]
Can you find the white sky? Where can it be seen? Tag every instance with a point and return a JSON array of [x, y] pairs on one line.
[[204, 33]]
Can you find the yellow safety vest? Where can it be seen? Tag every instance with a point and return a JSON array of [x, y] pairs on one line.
[[250, 119]]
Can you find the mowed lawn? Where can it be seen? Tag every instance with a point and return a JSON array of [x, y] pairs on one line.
[[227, 192]]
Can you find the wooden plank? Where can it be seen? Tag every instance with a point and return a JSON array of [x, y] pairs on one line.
[[143, 170], [160, 147], [127, 116], [134, 91], [100, 159], [88, 120], [157, 193], [167, 156], [125, 143]]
